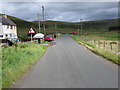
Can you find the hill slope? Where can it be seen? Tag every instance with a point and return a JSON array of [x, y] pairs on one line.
[[88, 26], [101, 24], [64, 27]]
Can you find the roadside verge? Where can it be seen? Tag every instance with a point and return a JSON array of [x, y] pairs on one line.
[[104, 53], [18, 59]]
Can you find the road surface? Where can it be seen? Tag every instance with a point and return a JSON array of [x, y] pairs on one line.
[[68, 64]]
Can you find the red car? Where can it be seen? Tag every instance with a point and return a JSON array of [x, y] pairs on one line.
[[75, 33], [49, 38]]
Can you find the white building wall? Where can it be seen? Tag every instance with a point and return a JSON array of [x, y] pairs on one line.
[[1, 31], [13, 30], [8, 32]]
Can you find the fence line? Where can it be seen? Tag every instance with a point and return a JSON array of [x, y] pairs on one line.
[[105, 44]]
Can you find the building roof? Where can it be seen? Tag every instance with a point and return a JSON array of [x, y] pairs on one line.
[[6, 21]]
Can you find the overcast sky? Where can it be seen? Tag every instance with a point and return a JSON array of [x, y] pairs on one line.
[[61, 11]]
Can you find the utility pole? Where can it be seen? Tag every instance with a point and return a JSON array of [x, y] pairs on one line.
[[39, 21], [43, 20], [78, 31], [56, 27], [81, 26]]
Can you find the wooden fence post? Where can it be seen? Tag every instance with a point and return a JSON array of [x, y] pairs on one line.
[[99, 42], [104, 44], [111, 46], [94, 41]]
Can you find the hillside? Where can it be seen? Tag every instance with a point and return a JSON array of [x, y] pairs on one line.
[[64, 27], [88, 26], [101, 24]]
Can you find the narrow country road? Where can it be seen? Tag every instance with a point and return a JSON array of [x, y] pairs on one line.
[[68, 64]]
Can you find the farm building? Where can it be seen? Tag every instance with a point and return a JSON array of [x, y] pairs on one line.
[[8, 28]]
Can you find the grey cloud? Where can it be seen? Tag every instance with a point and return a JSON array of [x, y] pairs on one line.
[[66, 11]]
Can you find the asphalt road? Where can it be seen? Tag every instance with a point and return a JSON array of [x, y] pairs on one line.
[[68, 64]]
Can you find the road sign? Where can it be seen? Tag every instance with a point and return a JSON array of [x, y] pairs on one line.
[[31, 31]]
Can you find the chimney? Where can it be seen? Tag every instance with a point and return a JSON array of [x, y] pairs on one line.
[[4, 15]]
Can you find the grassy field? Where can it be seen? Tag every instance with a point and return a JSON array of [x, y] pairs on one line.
[[100, 44], [114, 35], [16, 60]]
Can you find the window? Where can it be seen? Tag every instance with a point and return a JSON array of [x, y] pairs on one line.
[[6, 35], [7, 27], [10, 35], [1, 35], [11, 27]]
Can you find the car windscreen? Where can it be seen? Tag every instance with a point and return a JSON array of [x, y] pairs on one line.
[[48, 36]]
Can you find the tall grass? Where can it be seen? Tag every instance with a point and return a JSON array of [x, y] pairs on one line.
[[18, 59], [0, 68]]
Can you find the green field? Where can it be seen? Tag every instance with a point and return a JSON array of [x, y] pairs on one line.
[[104, 44], [17, 60], [114, 36]]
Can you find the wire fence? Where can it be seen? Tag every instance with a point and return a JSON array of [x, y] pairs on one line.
[[103, 43]]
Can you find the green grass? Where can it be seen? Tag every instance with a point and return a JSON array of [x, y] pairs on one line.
[[115, 36], [0, 68], [46, 42], [106, 54], [16, 61], [106, 35]]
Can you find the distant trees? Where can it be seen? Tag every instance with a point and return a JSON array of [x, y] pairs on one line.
[[114, 28]]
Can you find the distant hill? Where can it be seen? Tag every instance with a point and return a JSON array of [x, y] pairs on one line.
[[88, 26], [102, 25], [64, 27]]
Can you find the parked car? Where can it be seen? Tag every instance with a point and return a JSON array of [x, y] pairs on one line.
[[49, 38], [75, 33]]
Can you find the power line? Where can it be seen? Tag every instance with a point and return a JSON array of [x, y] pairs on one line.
[[39, 21], [47, 13]]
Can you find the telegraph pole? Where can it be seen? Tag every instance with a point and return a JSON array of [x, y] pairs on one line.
[[81, 26], [39, 21], [43, 20], [56, 27]]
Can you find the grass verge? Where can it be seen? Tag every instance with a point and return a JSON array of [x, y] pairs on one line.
[[17, 60], [104, 53], [0, 68]]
